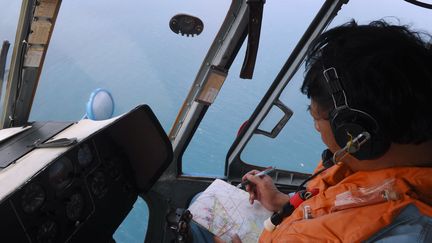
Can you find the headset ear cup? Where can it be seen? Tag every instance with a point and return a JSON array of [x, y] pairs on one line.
[[348, 123]]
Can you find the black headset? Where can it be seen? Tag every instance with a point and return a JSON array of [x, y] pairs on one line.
[[347, 123]]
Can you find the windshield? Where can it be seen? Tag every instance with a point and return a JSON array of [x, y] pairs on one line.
[[127, 49]]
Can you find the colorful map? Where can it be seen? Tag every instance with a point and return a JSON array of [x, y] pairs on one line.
[[225, 210]]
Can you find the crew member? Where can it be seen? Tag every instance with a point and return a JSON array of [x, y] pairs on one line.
[[374, 79]]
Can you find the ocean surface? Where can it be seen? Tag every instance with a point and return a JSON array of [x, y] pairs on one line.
[[129, 49]]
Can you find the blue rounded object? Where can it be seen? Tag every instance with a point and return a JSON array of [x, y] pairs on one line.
[[100, 106]]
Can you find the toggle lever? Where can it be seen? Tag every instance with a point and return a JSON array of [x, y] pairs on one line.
[[57, 143]]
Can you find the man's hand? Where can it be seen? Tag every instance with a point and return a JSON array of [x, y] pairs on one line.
[[262, 188], [235, 239]]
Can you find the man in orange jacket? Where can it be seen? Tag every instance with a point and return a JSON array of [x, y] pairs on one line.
[[374, 80]]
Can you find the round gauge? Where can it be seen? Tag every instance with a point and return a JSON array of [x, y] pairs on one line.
[[85, 156], [33, 198], [61, 173], [47, 232], [113, 167], [98, 184], [127, 187], [75, 207]]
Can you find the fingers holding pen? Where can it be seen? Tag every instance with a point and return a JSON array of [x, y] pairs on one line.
[[252, 172], [255, 180], [263, 189], [251, 187], [257, 185], [256, 177]]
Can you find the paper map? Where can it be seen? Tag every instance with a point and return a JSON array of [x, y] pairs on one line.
[[225, 210]]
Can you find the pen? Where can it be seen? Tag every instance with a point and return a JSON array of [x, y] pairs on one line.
[[264, 172]]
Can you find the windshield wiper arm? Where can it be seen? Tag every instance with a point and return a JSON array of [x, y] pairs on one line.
[[255, 8]]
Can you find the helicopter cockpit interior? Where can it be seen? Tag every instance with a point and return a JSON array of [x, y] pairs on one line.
[[64, 180]]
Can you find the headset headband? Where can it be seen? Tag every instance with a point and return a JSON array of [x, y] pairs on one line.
[[337, 93]]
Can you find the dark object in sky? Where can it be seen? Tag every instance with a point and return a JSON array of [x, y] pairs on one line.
[[419, 3], [186, 25]]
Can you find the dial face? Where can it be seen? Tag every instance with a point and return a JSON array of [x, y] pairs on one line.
[[113, 167], [98, 184], [47, 232], [33, 198], [61, 173], [75, 207], [85, 156]]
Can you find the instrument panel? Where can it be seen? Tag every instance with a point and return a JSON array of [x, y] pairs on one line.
[[82, 185], [80, 193]]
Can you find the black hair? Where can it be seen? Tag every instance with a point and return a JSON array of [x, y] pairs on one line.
[[385, 70]]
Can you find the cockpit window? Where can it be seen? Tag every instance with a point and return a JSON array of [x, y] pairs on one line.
[[280, 31], [298, 147], [127, 48], [9, 14]]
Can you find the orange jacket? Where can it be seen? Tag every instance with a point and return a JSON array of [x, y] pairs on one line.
[[359, 222]]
